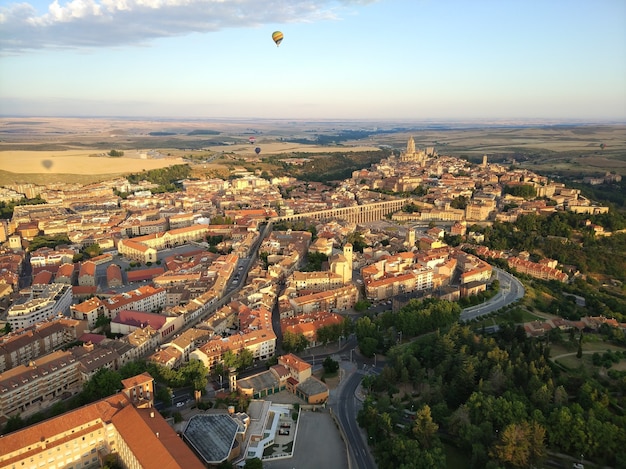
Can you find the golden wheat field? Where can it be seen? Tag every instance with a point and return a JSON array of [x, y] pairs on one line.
[[78, 162]]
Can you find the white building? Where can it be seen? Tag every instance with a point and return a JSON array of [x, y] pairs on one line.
[[45, 301]]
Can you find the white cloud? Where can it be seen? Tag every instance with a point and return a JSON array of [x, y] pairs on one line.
[[104, 23]]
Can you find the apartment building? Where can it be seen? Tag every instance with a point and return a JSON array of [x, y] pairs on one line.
[[261, 343], [338, 299], [124, 427], [44, 302], [144, 298], [27, 389], [22, 346], [316, 281]]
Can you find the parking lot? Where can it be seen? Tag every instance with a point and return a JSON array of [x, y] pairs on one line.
[[318, 444]]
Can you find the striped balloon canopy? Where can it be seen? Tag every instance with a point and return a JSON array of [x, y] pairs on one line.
[[277, 36]]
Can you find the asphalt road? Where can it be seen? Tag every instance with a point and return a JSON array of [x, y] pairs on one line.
[[511, 290], [345, 406]]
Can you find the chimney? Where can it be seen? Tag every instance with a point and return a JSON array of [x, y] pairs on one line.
[[152, 414], [157, 434]]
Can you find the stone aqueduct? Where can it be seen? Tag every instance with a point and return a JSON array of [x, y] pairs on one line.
[[356, 214]]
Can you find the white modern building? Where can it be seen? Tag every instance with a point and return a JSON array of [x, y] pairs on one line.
[[44, 302]]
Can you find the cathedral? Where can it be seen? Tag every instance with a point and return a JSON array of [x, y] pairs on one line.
[[415, 156]]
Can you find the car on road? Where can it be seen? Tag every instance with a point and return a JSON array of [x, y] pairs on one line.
[[180, 404], [283, 432]]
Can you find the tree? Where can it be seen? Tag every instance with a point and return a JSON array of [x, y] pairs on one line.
[[521, 444], [293, 342], [330, 365], [357, 240], [246, 359], [195, 373], [253, 463], [424, 429], [102, 321], [92, 250], [103, 383]]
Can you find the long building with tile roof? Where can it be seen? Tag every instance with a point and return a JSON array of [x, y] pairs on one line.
[[124, 427]]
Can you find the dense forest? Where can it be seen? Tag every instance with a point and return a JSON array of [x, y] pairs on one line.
[[498, 399], [570, 239]]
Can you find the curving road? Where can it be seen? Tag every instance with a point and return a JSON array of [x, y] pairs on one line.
[[346, 407], [511, 290]]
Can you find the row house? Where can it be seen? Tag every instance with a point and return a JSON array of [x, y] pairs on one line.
[[46, 256], [316, 281], [339, 299], [181, 220], [143, 298], [536, 270], [21, 347], [168, 357], [221, 321], [183, 344], [480, 273], [10, 266], [308, 324], [136, 227], [391, 285], [27, 389], [143, 340], [92, 358]]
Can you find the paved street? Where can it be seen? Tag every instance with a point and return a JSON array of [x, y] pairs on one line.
[[511, 290]]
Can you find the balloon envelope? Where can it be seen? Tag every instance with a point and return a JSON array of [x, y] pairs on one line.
[[277, 36], [46, 164], [257, 150]]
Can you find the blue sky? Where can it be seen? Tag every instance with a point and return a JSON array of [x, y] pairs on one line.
[[385, 59]]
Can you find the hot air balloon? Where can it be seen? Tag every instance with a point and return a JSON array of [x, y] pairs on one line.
[[47, 164], [257, 150], [252, 139], [277, 36]]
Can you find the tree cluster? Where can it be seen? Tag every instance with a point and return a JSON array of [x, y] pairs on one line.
[[499, 399], [6, 208], [415, 318], [527, 191], [167, 178]]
